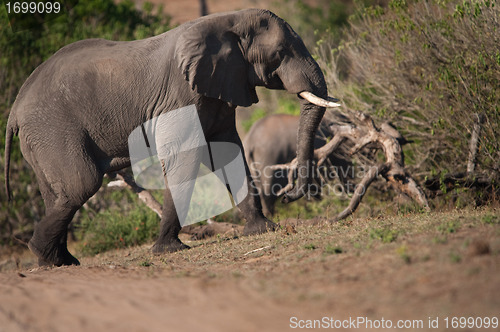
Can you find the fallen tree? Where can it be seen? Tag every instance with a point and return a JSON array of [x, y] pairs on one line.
[[362, 134]]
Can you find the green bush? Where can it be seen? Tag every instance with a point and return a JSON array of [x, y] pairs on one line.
[[312, 21], [427, 66], [112, 230]]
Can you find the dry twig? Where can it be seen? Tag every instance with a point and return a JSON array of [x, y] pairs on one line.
[[125, 180]]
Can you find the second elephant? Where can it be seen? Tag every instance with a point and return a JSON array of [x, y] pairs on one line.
[[273, 140]]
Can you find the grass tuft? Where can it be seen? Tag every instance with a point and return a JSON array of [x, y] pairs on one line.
[[386, 235], [113, 230]]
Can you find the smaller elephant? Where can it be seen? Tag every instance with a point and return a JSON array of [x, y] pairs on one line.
[[273, 140]]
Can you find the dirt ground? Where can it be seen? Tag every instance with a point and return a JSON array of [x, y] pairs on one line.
[[411, 267]]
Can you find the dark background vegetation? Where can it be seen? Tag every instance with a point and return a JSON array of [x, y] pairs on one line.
[[427, 66], [20, 53]]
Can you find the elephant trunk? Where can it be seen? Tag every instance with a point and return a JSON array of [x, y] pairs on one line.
[[310, 117], [307, 81]]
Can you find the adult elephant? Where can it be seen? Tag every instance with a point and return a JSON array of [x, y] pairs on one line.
[[75, 112], [273, 140]]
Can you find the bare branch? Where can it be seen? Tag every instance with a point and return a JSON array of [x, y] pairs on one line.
[[361, 189], [125, 180], [474, 142]]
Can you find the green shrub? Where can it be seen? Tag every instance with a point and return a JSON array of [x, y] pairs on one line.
[[285, 106], [256, 115], [333, 249], [449, 227], [288, 106], [386, 235], [114, 229], [310, 246], [427, 66], [491, 219]]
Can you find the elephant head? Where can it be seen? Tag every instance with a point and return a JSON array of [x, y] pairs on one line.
[[226, 56]]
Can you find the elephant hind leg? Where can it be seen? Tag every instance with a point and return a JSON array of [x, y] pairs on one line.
[[65, 187], [49, 239]]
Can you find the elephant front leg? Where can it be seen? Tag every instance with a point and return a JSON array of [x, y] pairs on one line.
[[180, 174], [251, 207], [170, 226]]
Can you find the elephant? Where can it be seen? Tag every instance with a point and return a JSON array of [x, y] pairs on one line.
[[272, 140], [74, 113]]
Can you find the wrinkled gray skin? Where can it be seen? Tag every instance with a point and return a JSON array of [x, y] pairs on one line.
[[271, 141], [75, 112]]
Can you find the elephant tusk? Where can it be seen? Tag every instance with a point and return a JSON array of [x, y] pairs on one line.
[[313, 99]]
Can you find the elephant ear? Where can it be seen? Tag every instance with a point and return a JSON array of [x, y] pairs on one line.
[[210, 57]]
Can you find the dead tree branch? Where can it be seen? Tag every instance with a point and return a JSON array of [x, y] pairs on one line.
[[361, 189], [474, 142], [125, 180], [363, 134]]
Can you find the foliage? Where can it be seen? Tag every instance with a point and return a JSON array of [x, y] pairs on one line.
[[403, 253], [333, 249], [491, 219], [427, 66], [110, 229], [21, 52], [310, 246], [256, 115], [386, 234], [287, 106], [284, 105], [115, 218], [449, 227], [313, 21]]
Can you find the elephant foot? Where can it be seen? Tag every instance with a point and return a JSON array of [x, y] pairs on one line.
[[52, 255], [259, 226], [172, 246]]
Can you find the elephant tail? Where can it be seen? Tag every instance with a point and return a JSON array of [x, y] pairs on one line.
[[11, 130]]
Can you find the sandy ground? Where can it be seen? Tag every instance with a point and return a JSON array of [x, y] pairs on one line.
[[223, 285], [118, 299]]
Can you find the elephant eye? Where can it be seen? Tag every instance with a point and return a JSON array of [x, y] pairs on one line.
[[280, 53]]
